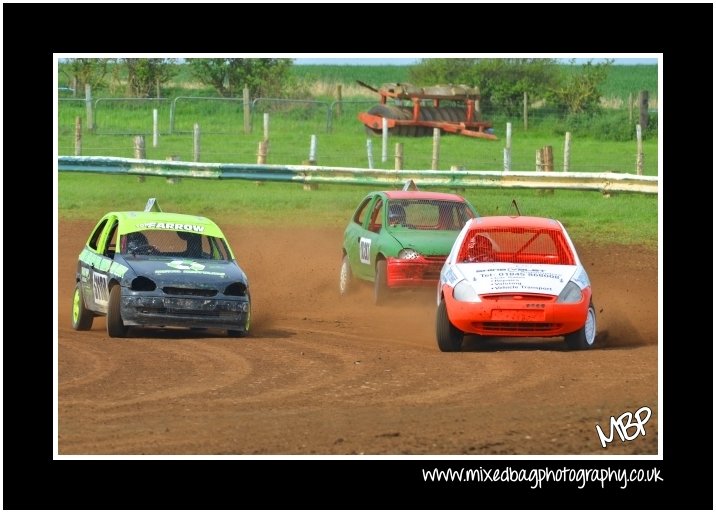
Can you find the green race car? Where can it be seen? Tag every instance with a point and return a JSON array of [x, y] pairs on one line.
[[400, 239], [160, 269]]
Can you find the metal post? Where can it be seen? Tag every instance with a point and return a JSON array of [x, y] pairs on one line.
[[384, 153], [266, 126], [139, 152], [247, 111], [369, 149], [312, 151], [155, 128], [507, 159], [197, 142], [436, 148], [88, 103], [567, 150]]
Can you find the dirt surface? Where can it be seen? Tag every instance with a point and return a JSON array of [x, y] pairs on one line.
[[326, 375]]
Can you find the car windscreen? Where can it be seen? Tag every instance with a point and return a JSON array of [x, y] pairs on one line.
[[428, 214], [175, 244]]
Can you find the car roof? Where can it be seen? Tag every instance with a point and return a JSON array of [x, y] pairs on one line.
[[512, 221], [130, 221], [424, 195]]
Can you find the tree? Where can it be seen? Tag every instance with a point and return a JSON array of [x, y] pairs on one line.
[[145, 76], [579, 91], [264, 77], [85, 71]]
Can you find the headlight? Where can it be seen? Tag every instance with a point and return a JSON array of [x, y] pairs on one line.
[[408, 254], [570, 294], [464, 292]]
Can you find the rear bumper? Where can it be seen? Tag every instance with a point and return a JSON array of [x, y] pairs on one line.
[[186, 312], [418, 272]]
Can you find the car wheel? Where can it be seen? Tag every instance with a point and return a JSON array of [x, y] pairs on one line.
[[115, 324], [449, 337], [241, 333], [380, 285], [81, 317], [346, 278], [585, 337]]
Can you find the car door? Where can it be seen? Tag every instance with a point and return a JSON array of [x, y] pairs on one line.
[[369, 240], [96, 262]]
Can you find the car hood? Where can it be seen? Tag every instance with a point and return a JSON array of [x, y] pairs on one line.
[[426, 242], [186, 269], [496, 278]]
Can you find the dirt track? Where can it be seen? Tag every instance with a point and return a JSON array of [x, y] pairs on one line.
[[338, 376]]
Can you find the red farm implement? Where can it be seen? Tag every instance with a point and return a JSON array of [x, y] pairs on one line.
[[419, 119]]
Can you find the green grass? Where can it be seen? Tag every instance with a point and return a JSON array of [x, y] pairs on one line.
[[589, 216]]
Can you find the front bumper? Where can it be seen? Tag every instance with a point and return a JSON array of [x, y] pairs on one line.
[[417, 272], [516, 318], [230, 314]]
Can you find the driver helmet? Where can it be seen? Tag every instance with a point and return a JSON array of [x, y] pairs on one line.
[[136, 240], [396, 214]]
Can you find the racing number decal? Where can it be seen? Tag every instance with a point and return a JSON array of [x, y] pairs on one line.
[[365, 250], [99, 289]]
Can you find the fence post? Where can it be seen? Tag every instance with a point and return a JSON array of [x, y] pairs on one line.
[[457, 168], [173, 179], [436, 148], [507, 159], [263, 151], [369, 150], [567, 150], [139, 152], [247, 111], [644, 109], [539, 160], [312, 161], [155, 127], [548, 159], [197, 142], [78, 136], [384, 153], [639, 152], [524, 108], [398, 156], [339, 98], [88, 103]]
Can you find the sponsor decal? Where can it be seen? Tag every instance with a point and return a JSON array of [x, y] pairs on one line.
[[449, 277], [365, 250], [184, 271], [497, 279], [186, 265], [94, 260], [172, 226], [118, 269]]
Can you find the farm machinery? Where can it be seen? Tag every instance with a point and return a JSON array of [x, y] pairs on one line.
[[418, 120]]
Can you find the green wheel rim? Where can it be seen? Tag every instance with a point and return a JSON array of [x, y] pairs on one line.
[[76, 306]]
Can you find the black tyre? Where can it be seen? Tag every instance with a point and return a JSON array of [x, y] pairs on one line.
[[380, 285], [115, 324], [245, 332], [81, 317], [345, 283], [585, 337], [448, 336]]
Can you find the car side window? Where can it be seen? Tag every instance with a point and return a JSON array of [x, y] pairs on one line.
[[376, 217], [94, 239], [111, 248], [359, 216]]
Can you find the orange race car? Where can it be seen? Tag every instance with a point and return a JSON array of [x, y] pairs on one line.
[[514, 277]]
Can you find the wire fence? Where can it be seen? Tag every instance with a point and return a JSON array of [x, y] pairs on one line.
[[229, 134]]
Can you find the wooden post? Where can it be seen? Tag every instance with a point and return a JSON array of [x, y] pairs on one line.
[[384, 153], [639, 152], [547, 159], [197, 142], [524, 108], [436, 148], [155, 128], [78, 136], [266, 126], [139, 152], [398, 156], [567, 150], [262, 153], [339, 98], [507, 155], [173, 179], [247, 111], [369, 149], [644, 109], [88, 103], [539, 160], [74, 87], [631, 109]]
